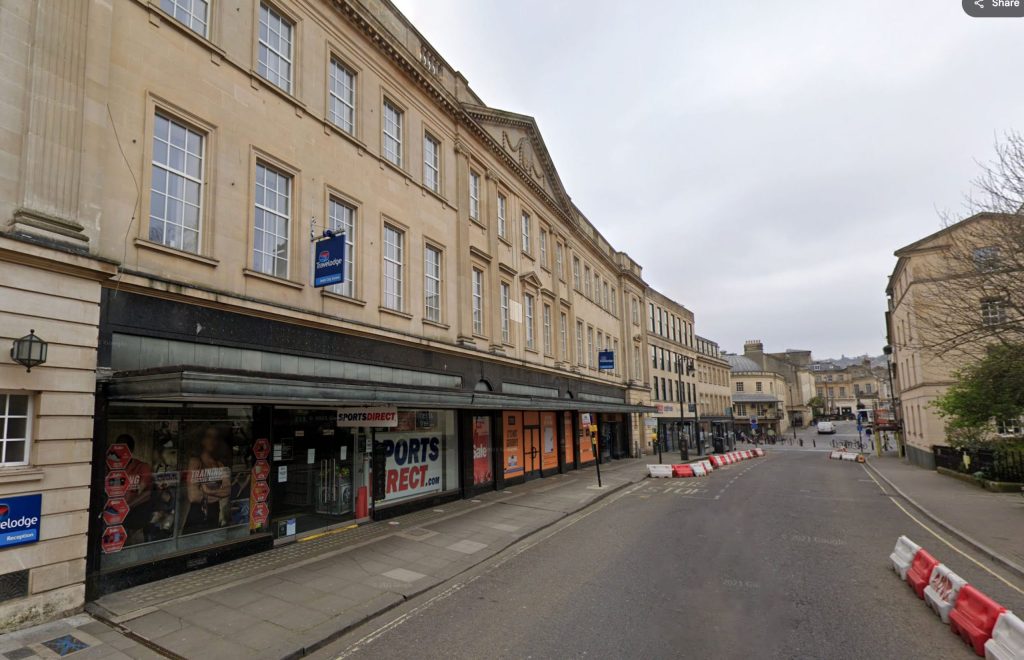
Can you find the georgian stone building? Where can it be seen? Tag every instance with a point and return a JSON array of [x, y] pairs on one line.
[[166, 167]]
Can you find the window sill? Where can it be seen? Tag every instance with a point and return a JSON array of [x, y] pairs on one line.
[[338, 296], [273, 279], [437, 324], [436, 195], [397, 168], [532, 350], [13, 475], [191, 256], [394, 312], [331, 127], [259, 82], [164, 17], [504, 239], [478, 223]]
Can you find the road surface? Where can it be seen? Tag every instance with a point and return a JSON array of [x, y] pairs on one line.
[[781, 557]]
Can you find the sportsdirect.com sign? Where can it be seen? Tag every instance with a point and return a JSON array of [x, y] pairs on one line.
[[19, 519], [413, 464], [381, 417]]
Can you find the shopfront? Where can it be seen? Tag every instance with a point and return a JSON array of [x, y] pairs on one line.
[[186, 485]]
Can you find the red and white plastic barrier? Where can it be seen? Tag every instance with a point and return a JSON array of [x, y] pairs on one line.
[[974, 617], [942, 589], [1007, 641], [971, 614]]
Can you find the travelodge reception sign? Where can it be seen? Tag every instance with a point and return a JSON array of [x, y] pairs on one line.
[[329, 261], [19, 519]]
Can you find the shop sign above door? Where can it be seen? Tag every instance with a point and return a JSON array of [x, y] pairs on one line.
[[380, 417]]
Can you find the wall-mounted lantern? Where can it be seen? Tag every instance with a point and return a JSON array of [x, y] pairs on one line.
[[29, 351]]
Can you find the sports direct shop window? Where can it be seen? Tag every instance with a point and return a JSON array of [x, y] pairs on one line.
[[422, 455], [177, 478]]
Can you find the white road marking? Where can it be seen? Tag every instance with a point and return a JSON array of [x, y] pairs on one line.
[[936, 535]]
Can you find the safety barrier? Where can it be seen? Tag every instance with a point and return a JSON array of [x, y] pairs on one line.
[[656, 470], [849, 456], [942, 590], [684, 470], [921, 571], [718, 460], [758, 451], [1007, 641], [745, 454], [903, 555], [973, 617], [970, 614], [708, 467], [698, 469], [837, 455]]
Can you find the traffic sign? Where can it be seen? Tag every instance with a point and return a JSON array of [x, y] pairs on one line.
[[260, 470], [261, 448], [113, 539], [118, 456], [260, 491], [116, 483], [115, 511], [260, 513]]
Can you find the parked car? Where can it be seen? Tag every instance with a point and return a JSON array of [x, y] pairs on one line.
[[826, 427]]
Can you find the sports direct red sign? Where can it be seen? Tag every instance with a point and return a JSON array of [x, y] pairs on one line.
[[379, 417]]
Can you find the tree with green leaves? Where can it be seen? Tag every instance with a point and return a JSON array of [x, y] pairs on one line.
[[986, 403]]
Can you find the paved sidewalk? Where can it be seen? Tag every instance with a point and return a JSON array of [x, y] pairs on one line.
[[992, 522], [290, 600]]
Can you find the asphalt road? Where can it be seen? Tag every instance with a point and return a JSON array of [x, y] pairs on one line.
[[781, 557]]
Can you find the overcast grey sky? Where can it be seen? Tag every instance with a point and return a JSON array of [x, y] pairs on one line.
[[760, 159]]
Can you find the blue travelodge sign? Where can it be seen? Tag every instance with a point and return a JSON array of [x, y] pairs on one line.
[[19, 519], [329, 261], [606, 360]]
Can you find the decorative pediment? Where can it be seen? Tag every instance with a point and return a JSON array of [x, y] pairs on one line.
[[531, 278], [520, 138]]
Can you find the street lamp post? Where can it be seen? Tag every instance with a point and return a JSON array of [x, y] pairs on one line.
[[684, 444], [887, 349], [690, 370]]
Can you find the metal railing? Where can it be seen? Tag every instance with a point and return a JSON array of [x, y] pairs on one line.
[[995, 464]]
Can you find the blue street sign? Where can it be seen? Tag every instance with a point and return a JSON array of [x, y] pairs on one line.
[[860, 427], [606, 360], [19, 519], [329, 261]]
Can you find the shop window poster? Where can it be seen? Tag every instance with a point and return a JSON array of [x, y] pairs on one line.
[[513, 445], [179, 477], [482, 451]]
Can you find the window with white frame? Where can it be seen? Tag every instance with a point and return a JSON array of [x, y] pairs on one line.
[[505, 301], [548, 348], [528, 305], [474, 195], [526, 232], [739, 386], [342, 218], [394, 245], [272, 221], [393, 117], [563, 332], [559, 261], [194, 14], [580, 360], [576, 273], [615, 303], [543, 239], [993, 312], [432, 283], [342, 97], [15, 428], [275, 48], [478, 301], [502, 208], [636, 362], [605, 297], [431, 162], [591, 357], [986, 259], [176, 191], [650, 319], [615, 352], [758, 386], [634, 310], [586, 282]]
